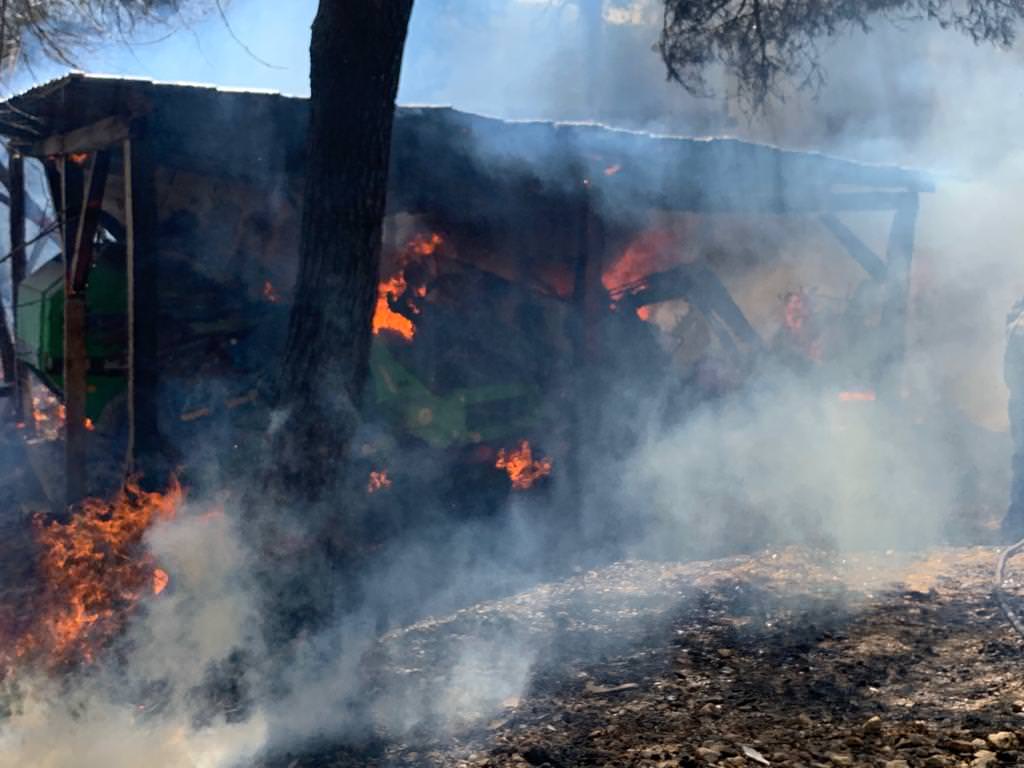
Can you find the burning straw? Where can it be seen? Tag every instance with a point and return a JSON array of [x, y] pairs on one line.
[[94, 570]]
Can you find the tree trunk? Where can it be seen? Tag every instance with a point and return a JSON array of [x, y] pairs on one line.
[[355, 60]]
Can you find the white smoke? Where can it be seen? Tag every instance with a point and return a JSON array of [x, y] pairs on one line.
[[792, 464], [99, 719]]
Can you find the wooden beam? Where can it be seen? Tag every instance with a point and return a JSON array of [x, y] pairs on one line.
[[104, 134], [865, 201], [83, 200], [96, 183], [711, 296], [76, 360], [595, 297], [896, 295], [854, 246], [583, 328], [586, 266], [19, 268], [54, 180], [143, 303], [76, 371]]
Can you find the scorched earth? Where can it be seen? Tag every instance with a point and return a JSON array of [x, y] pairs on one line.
[[788, 658]]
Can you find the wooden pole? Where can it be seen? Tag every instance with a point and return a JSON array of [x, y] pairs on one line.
[[76, 352], [854, 246], [19, 268], [584, 338], [76, 360], [897, 294]]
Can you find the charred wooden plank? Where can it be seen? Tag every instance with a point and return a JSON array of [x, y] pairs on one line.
[[854, 246], [96, 183], [100, 135]]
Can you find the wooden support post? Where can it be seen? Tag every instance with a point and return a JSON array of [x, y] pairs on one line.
[[19, 268], [76, 359], [897, 295], [76, 354], [595, 297], [143, 303], [88, 221], [854, 246], [589, 296], [587, 300]]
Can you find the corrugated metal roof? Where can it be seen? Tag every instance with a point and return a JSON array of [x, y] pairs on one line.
[[244, 132]]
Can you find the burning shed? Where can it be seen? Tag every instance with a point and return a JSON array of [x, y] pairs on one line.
[[513, 253]]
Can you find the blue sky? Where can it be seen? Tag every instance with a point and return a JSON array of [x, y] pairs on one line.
[[912, 96], [204, 52], [483, 53], [506, 58]]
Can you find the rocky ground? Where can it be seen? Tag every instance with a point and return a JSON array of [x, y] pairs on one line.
[[788, 658]]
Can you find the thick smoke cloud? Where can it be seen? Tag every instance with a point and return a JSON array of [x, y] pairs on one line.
[[786, 464]]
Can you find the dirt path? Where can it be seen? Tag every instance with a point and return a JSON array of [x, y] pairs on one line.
[[788, 659]]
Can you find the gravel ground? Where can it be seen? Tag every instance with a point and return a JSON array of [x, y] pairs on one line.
[[789, 658]]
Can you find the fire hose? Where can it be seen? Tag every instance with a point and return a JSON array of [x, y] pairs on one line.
[[1011, 614]]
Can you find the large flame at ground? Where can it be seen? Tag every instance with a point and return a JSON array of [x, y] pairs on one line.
[[94, 570], [523, 470], [392, 289]]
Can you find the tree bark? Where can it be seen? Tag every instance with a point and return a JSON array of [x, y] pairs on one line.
[[355, 61]]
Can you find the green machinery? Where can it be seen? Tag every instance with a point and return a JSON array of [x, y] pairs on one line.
[[396, 394], [466, 415], [40, 324]]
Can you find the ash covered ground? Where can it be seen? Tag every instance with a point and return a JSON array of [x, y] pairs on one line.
[[784, 658]]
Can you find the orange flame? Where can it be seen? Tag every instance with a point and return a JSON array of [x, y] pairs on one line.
[[651, 251], [88, 424], [48, 414], [523, 470], [94, 571], [160, 580], [394, 287], [425, 245], [46, 408], [378, 481], [384, 317]]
